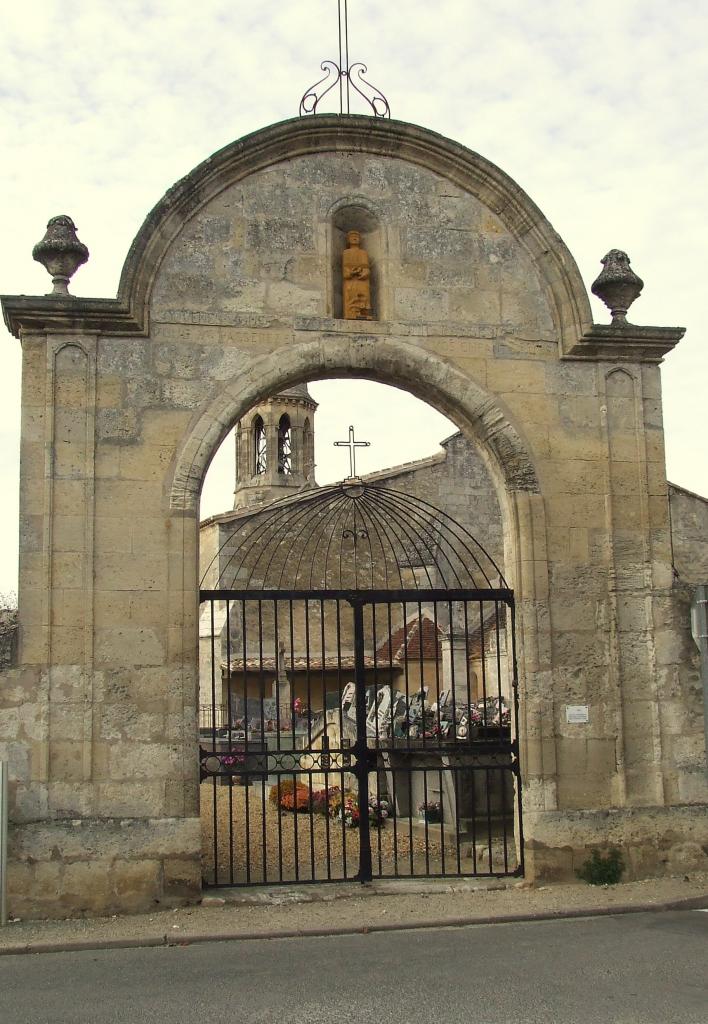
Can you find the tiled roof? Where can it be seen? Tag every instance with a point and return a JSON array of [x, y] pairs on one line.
[[420, 636], [422, 632], [346, 662]]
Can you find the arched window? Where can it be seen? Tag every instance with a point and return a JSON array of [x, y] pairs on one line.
[[285, 451], [238, 447], [260, 446], [307, 453]]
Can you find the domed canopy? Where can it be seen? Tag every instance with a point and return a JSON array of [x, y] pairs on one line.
[[353, 536]]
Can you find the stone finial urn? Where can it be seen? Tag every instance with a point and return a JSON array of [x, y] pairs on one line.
[[617, 285], [60, 252]]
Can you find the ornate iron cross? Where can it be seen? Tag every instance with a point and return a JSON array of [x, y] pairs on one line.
[[352, 445], [341, 73]]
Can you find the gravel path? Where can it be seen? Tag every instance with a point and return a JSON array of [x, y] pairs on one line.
[[300, 847]]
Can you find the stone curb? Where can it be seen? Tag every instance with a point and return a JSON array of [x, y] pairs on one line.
[[692, 903]]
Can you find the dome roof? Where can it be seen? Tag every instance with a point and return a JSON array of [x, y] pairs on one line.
[[352, 536]]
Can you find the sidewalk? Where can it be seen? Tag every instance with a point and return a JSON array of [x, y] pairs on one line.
[[282, 912]]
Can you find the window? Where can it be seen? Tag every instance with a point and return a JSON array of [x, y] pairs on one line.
[[260, 446], [285, 452], [307, 452]]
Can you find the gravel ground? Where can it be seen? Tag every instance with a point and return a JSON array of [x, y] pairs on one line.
[[296, 843], [246, 913]]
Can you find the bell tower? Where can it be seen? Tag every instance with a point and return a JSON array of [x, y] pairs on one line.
[[275, 448]]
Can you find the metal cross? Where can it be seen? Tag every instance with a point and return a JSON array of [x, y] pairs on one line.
[[343, 56], [352, 445], [347, 76]]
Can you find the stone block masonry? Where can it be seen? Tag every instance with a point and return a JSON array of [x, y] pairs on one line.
[[227, 297]]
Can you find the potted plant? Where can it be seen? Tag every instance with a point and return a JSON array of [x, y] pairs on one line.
[[431, 811]]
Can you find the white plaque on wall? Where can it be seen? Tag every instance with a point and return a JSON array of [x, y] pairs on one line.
[[577, 714]]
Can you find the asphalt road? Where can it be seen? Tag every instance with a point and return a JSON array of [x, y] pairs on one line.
[[634, 969]]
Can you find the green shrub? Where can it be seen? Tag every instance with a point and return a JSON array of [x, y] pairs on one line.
[[599, 870]]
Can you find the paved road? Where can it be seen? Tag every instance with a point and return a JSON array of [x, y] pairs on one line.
[[633, 969]]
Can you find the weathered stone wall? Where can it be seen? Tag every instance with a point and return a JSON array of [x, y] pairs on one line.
[[681, 688], [8, 638], [227, 298], [457, 481], [263, 246], [689, 534]]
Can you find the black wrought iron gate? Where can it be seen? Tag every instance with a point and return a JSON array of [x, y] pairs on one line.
[[358, 734]]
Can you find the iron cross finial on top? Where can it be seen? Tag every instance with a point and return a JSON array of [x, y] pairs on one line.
[[352, 445], [342, 74]]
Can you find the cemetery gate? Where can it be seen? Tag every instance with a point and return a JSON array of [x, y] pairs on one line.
[[364, 730]]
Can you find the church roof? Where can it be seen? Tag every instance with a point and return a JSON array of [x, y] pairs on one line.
[[297, 391], [344, 662], [419, 637]]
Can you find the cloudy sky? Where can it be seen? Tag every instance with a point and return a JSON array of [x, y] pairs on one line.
[[597, 109]]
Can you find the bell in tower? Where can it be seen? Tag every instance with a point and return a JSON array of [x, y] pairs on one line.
[[275, 448]]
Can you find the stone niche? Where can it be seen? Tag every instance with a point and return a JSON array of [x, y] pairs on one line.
[[357, 217]]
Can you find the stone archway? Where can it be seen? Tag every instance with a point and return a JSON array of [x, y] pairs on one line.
[[388, 360], [395, 361], [223, 299]]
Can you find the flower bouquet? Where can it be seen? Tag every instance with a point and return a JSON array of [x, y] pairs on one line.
[[379, 811], [476, 716], [291, 796], [300, 709], [326, 801], [232, 762], [349, 811]]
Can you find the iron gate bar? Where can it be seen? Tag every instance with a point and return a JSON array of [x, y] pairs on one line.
[[402, 502], [361, 747], [367, 757], [409, 595], [516, 767]]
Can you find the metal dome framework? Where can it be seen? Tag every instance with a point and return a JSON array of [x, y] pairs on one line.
[[353, 536], [357, 645]]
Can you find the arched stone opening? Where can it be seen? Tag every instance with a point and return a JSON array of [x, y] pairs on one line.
[[388, 360], [260, 447], [482, 419]]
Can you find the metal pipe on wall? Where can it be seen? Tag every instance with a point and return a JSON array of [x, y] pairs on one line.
[[4, 810], [699, 631]]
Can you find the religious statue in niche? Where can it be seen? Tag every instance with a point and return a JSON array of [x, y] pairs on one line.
[[356, 280]]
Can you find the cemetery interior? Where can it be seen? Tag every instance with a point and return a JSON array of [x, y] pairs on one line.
[[287, 761]]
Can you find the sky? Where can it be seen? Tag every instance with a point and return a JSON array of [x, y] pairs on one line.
[[596, 109]]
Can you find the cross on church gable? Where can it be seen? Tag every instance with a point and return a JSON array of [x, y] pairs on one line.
[[352, 445]]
